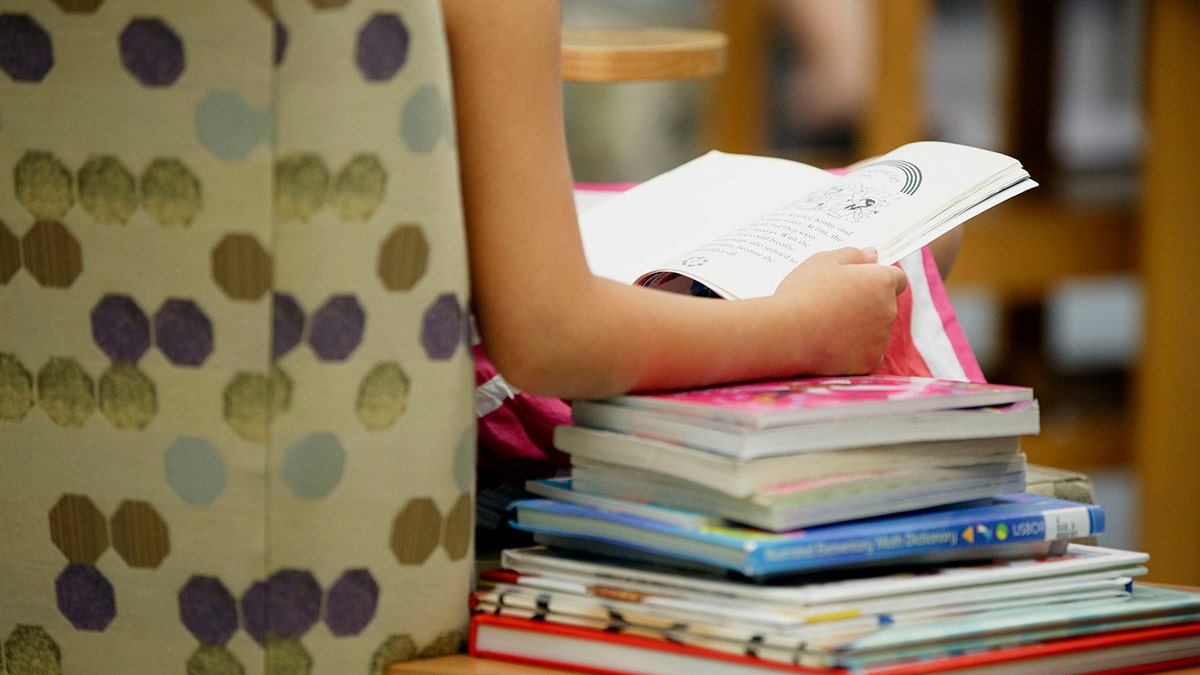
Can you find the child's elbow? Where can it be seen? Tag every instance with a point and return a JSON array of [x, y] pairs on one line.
[[526, 361], [547, 362]]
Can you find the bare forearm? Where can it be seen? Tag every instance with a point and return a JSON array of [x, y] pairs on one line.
[[553, 328]]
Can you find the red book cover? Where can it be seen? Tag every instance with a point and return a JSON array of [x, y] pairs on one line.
[[610, 653]]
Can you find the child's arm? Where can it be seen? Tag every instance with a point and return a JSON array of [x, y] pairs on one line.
[[550, 326]]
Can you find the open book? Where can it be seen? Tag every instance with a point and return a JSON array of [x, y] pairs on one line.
[[736, 225]]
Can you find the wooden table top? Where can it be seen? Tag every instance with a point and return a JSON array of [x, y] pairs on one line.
[[632, 54]]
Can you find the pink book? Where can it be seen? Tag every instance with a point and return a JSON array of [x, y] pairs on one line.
[[777, 403]]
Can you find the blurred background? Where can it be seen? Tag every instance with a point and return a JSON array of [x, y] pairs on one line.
[[1057, 290]]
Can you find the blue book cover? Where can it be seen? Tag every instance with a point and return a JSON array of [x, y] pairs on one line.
[[1016, 522]]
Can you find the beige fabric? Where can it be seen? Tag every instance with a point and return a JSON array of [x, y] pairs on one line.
[[235, 394]]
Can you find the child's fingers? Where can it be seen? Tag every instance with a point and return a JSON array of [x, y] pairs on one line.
[[899, 278], [850, 255]]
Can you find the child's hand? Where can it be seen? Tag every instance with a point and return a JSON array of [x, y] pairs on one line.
[[848, 305]]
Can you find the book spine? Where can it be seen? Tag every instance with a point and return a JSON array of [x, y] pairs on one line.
[[1049, 525]]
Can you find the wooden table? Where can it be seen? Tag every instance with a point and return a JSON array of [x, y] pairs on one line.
[[632, 54]]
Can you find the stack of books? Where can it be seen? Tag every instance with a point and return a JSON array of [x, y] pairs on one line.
[[859, 524]]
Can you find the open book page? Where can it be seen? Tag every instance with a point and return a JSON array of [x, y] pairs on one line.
[[635, 232], [738, 225]]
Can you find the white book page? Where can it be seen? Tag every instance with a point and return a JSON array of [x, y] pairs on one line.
[[637, 231], [896, 203]]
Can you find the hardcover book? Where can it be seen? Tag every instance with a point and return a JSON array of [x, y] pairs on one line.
[[957, 531], [587, 649]]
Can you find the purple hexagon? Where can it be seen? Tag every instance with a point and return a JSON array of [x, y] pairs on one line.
[[183, 332], [152, 52], [281, 42], [26, 53], [85, 597], [382, 47], [337, 328], [208, 610], [351, 603], [443, 327], [286, 605], [287, 325], [121, 329]]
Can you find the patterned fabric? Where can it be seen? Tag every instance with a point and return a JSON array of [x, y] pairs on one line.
[[235, 384]]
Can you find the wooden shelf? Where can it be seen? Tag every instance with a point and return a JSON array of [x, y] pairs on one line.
[[1021, 249]]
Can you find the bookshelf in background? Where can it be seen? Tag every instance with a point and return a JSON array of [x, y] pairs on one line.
[[1020, 249]]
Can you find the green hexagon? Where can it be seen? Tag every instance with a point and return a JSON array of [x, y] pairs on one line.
[[446, 644], [30, 650], [252, 401], [65, 392], [395, 649], [382, 396], [301, 184], [107, 191], [43, 185], [286, 657], [170, 193], [213, 660], [128, 398], [358, 188], [16, 389]]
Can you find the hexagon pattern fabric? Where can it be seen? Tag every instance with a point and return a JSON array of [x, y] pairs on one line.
[[235, 392]]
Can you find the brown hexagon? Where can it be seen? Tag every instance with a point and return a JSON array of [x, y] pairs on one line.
[[78, 529], [16, 389], [267, 6], [241, 267], [416, 531], [140, 534], [10, 254], [456, 538], [65, 392], [52, 254], [79, 6], [403, 258]]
